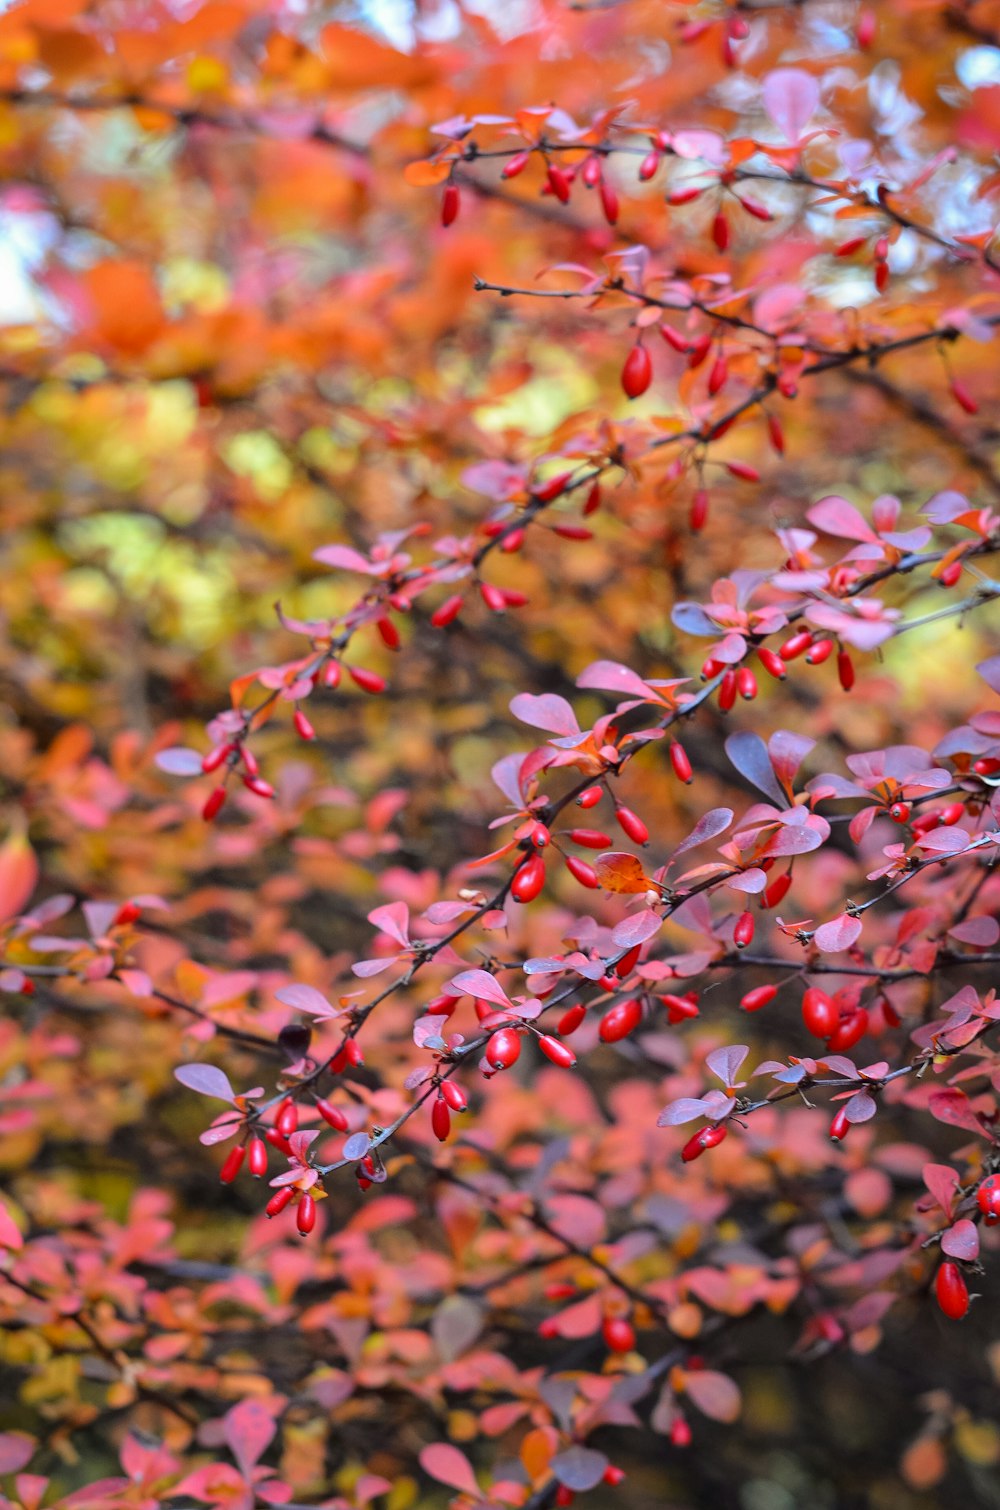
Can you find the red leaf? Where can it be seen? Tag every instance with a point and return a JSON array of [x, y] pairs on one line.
[[839, 934], [961, 1240], [445, 1463]]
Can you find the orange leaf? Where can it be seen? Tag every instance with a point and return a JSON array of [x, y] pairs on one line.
[[618, 871], [427, 173], [18, 875]]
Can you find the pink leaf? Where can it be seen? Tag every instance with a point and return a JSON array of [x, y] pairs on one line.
[[481, 984], [861, 1107], [16, 1450], [790, 99], [307, 999], [393, 919], [981, 932], [837, 517], [837, 935], [611, 676], [447, 1465], [249, 1429], [18, 875], [10, 1237], [549, 711], [636, 929]]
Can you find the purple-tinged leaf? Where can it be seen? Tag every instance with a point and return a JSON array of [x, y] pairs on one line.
[[579, 1468], [393, 920], [179, 761], [944, 841], [207, 1080], [16, 1450], [835, 516], [980, 932], [709, 826], [787, 752], [544, 966], [428, 1028], [861, 1107], [989, 670], [748, 753], [691, 618], [685, 1109], [716, 1395], [356, 1147], [307, 999], [953, 1107], [726, 1062], [636, 929], [345, 558], [961, 1240], [750, 881]]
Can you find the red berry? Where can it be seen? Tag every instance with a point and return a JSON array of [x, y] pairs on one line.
[[619, 1334], [775, 434], [649, 166], [845, 670], [558, 1052], [720, 231], [216, 757], [257, 1158], [558, 183], [528, 879], [591, 797], [759, 997], [772, 663], [964, 398], [492, 597], [614, 1476], [988, 1199], [849, 1031], [368, 681], [632, 825], [840, 1126], [680, 1433], [609, 203], [279, 1200], [213, 803], [718, 375], [128, 912], [582, 872], [951, 1290], [708, 1137], [303, 727], [388, 633], [743, 931], [699, 510], [746, 684], [451, 202], [620, 1020], [819, 1013], [446, 614], [819, 651], [332, 1115], [796, 646], [563, 1497], [305, 1214], [637, 373], [628, 962], [680, 762], [440, 1118], [571, 1020], [727, 691], [777, 891], [232, 1164], [503, 1049], [286, 1118], [590, 838], [899, 812], [454, 1095], [258, 786], [741, 469], [515, 165]]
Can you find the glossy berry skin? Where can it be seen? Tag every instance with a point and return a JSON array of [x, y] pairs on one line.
[[440, 1119], [454, 1096], [451, 202], [899, 812], [632, 825], [702, 1141], [772, 663], [759, 997], [582, 872], [618, 1334], [559, 1053], [637, 373], [332, 1115], [232, 1164], [529, 879], [679, 758], [850, 1031], [988, 1199], [571, 1020], [503, 1049], [746, 684], [213, 803], [305, 1214], [620, 1020], [951, 1290], [287, 1118], [743, 932], [840, 1126], [257, 1158], [777, 891], [820, 1015], [279, 1200], [680, 1433]]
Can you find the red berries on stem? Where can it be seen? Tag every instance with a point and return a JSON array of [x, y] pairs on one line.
[[528, 879], [637, 373], [702, 1141], [951, 1291], [819, 1013], [503, 1049], [988, 1199], [744, 930], [619, 1334]]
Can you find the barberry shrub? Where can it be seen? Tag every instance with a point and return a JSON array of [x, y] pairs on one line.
[[516, 1025]]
